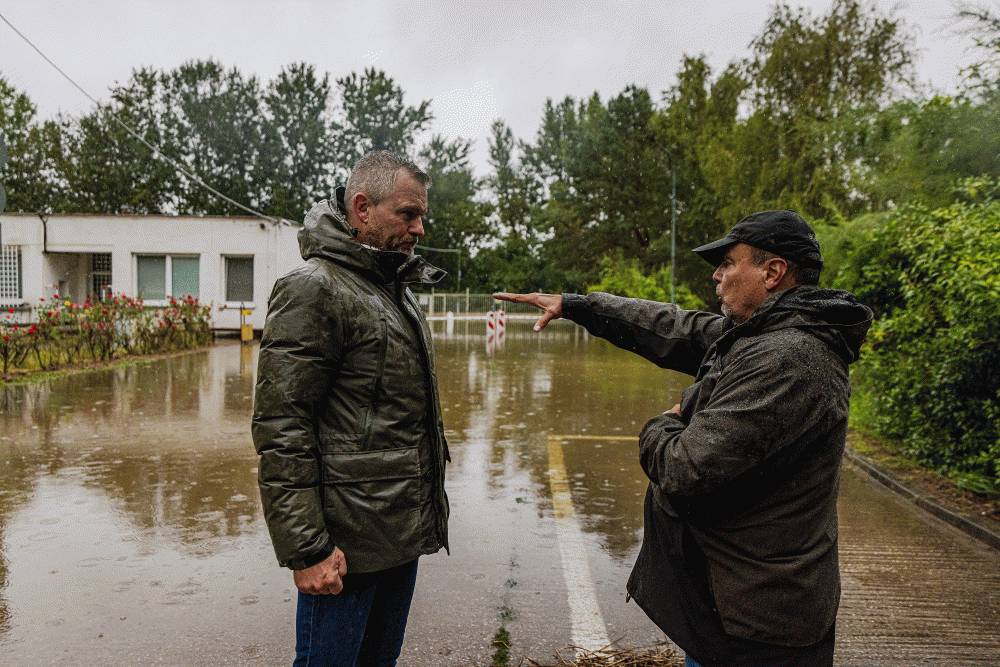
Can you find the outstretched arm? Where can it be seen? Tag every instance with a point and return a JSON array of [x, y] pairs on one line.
[[661, 332], [550, 304]]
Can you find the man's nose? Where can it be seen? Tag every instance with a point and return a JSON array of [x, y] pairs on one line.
[[717, 276], [417, 227]]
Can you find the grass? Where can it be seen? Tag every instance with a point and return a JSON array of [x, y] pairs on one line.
[[662, 655], [501, 648]]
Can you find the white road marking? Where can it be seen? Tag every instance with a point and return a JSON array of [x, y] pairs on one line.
[[588, 630]]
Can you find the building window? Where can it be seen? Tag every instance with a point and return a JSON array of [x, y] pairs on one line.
[[239, 279], [10, 274], [161, 276], [100, 275], [184, 276]]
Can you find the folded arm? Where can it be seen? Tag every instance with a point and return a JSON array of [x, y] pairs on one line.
[[764, 400]]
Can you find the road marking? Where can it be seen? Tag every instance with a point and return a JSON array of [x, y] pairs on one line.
[[588, 630]]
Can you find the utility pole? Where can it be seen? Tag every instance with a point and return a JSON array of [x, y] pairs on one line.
[[673, 229]]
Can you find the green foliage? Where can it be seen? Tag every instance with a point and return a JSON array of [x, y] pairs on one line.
[[930, 362], [32, 146], [919, 149], [625, 278]]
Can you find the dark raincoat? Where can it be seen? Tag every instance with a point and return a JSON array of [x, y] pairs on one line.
[[739, 557], [346, 416]]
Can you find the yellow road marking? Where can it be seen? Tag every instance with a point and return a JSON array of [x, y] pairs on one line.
[[618, 438]]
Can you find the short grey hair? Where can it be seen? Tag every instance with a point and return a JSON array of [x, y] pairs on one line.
[[375, 175]]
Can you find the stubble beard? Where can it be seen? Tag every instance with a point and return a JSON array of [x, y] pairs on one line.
[[376, 236]]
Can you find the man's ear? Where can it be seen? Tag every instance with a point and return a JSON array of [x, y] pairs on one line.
[[777, 269], [359, 206]]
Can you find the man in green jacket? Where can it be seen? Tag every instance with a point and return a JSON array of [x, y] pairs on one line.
[[347, 420], [738, 563]]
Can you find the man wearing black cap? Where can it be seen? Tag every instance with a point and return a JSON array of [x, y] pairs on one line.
[[739, 557]]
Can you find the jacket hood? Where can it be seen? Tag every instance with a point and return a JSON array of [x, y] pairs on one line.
[[327, 235], [835, 317]]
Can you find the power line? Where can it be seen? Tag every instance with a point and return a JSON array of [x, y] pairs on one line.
[[155, 149]]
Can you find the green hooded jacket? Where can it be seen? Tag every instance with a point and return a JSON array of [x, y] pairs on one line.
[[346, 418]]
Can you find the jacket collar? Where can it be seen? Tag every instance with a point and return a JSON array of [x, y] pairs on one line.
[[326, 233]]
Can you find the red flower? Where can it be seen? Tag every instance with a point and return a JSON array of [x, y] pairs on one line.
[[10, 310]]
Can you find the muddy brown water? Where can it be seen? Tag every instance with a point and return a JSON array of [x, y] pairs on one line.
[[130, 529]]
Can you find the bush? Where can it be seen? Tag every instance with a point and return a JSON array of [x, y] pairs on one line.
[[64, 333], [930, 363], [624, 278]]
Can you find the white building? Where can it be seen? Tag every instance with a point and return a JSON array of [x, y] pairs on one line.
[[227, 262]]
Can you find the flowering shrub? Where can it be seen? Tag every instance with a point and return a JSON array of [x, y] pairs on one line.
[[63, 332]]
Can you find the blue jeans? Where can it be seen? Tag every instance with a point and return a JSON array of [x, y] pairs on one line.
[[362, 626]]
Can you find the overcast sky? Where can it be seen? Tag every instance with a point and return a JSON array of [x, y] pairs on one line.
[[476, 60]]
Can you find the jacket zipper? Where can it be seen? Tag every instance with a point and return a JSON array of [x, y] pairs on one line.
[[433, 422]]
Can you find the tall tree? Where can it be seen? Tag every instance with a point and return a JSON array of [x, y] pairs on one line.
[[815, 84], [214, 125], [456, 221], [297, 158], [29, 177], [372, 114], [107, 170]]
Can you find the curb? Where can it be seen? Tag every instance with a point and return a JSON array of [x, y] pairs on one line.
[[971, 528]]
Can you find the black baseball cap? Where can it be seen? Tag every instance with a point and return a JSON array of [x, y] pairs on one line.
[[784, 233]]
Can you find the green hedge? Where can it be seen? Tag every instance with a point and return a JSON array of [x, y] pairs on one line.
[[930, 372]]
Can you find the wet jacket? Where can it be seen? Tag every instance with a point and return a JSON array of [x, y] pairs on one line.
[[739, 553], [346, 416]]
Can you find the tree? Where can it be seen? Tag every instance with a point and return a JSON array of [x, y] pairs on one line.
[[29, 176], [214, 126], [107, 170], [372, 115], [456, 220], [816, 83], [297, 134]]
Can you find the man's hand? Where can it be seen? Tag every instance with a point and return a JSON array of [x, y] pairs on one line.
[[550, 303], [676, 410], [325, 577]]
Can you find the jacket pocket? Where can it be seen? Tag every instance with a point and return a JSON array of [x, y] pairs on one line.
[[371, 503], [371, 466]]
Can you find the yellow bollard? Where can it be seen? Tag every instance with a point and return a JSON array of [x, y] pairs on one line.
[[246, 330]]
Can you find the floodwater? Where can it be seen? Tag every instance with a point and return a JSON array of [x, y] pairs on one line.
[[130, 529]]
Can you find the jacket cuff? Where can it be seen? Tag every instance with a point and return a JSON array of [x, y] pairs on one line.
[[574, 305], [311, 559]]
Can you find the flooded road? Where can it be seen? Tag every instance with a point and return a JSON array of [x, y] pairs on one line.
[[130, 529]]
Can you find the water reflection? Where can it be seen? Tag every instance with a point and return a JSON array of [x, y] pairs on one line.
[[512, 397], [162, 448]]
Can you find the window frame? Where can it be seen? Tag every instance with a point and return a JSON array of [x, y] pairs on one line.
[[225, 281], [14, 251], [168, 278]]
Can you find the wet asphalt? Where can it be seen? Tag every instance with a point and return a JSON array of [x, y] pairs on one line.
[[130, 530]]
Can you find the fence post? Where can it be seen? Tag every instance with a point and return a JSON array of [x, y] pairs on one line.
[[466, 301], [430, 308]]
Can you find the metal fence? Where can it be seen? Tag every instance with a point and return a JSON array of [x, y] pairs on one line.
[[466, 305]]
